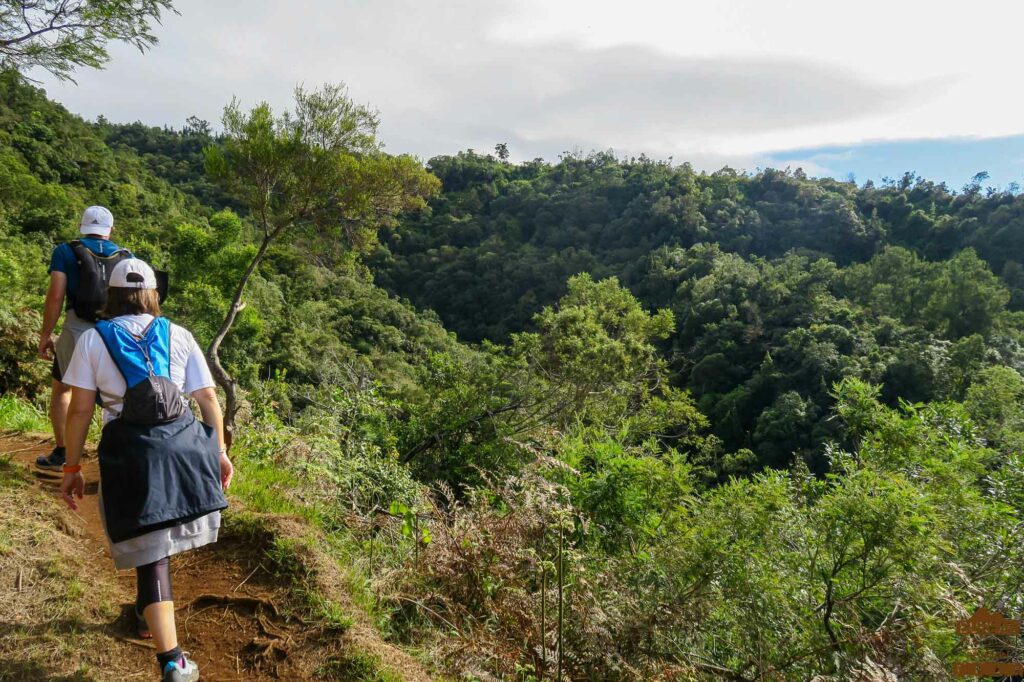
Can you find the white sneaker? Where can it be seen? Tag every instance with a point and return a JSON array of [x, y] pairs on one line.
[[184, 670]]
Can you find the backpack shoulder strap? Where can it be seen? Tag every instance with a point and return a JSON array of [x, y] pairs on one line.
[[161, 358], [105, 332], [84, 254], [104, 399], [125, 350]]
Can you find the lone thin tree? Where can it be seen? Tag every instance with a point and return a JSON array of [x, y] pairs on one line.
[[60, 35], [320, 170]]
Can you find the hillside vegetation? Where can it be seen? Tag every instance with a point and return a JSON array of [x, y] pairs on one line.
[[599, 418]]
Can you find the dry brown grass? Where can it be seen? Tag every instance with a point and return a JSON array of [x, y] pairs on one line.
[[481, 581], [57, 606]]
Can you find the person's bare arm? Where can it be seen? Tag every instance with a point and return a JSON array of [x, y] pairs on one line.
[[51, 313], [209, 407], [83, 402]]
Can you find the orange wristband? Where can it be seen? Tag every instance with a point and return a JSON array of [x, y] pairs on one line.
[[72, 469]]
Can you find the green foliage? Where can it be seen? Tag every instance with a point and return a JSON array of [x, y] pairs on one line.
[[629, 493], [592, 362], [316, 172], [598, 345], [357, 666], [23, 278], [21, 416], [779, 285], [308, 317], [60, 36], [995, 401], [173, 155], [953, 299], [319, 167], [338, 458], [780, 574], [55, 164], [502, 239], [411, 527]]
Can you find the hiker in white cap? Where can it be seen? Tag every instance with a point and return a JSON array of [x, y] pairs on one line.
[[79, 271], [163, 473]]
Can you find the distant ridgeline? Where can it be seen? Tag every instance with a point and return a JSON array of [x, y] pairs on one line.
[[503, 238]]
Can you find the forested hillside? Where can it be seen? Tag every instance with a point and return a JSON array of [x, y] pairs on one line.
[[780, 285], [597, 418]]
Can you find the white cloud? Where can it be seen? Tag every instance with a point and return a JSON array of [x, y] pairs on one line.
[[717, 82]]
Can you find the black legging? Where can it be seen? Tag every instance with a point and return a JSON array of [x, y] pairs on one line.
[[154, 583]]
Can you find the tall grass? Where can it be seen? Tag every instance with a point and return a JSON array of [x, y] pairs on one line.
[[19, 415]]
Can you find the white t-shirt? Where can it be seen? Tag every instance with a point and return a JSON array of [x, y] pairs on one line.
[[93, 369]]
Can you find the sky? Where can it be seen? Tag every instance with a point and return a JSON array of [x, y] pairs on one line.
[[866, 90]]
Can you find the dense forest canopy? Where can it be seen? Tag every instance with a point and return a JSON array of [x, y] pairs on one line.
[[764, 426], [503, 238]]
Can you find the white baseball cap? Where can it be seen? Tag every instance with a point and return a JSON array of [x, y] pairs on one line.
[[96, 220], [133, 273]]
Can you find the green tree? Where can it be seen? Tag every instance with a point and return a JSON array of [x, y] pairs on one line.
[[597, 348], [61, 35], [593, 362], [995, 402], [317, 170], [966, 297]]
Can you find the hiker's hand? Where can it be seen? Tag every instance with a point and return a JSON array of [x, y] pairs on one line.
[[71, 487], [227, 470], [47, 348]]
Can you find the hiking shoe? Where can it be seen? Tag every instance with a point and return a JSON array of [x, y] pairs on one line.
[[184, 670], [53, 461]]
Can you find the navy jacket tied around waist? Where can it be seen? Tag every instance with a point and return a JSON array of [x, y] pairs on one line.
[[157, 476]]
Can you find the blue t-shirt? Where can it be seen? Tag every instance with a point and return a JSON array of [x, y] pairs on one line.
[[63, 260]]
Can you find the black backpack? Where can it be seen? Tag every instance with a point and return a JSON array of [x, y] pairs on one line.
[[93, 277]]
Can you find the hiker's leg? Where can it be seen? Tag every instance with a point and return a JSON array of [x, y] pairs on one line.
[[59, 401], [160, 619], [154, 600]]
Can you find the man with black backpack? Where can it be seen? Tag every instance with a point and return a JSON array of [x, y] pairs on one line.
[[79, 273]]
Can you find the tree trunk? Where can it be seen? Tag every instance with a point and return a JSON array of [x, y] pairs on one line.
[[220, 375]]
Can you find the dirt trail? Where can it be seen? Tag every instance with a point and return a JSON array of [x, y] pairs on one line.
[[233, 615]]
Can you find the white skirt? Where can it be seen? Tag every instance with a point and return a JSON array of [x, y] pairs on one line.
[[157, 544]]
